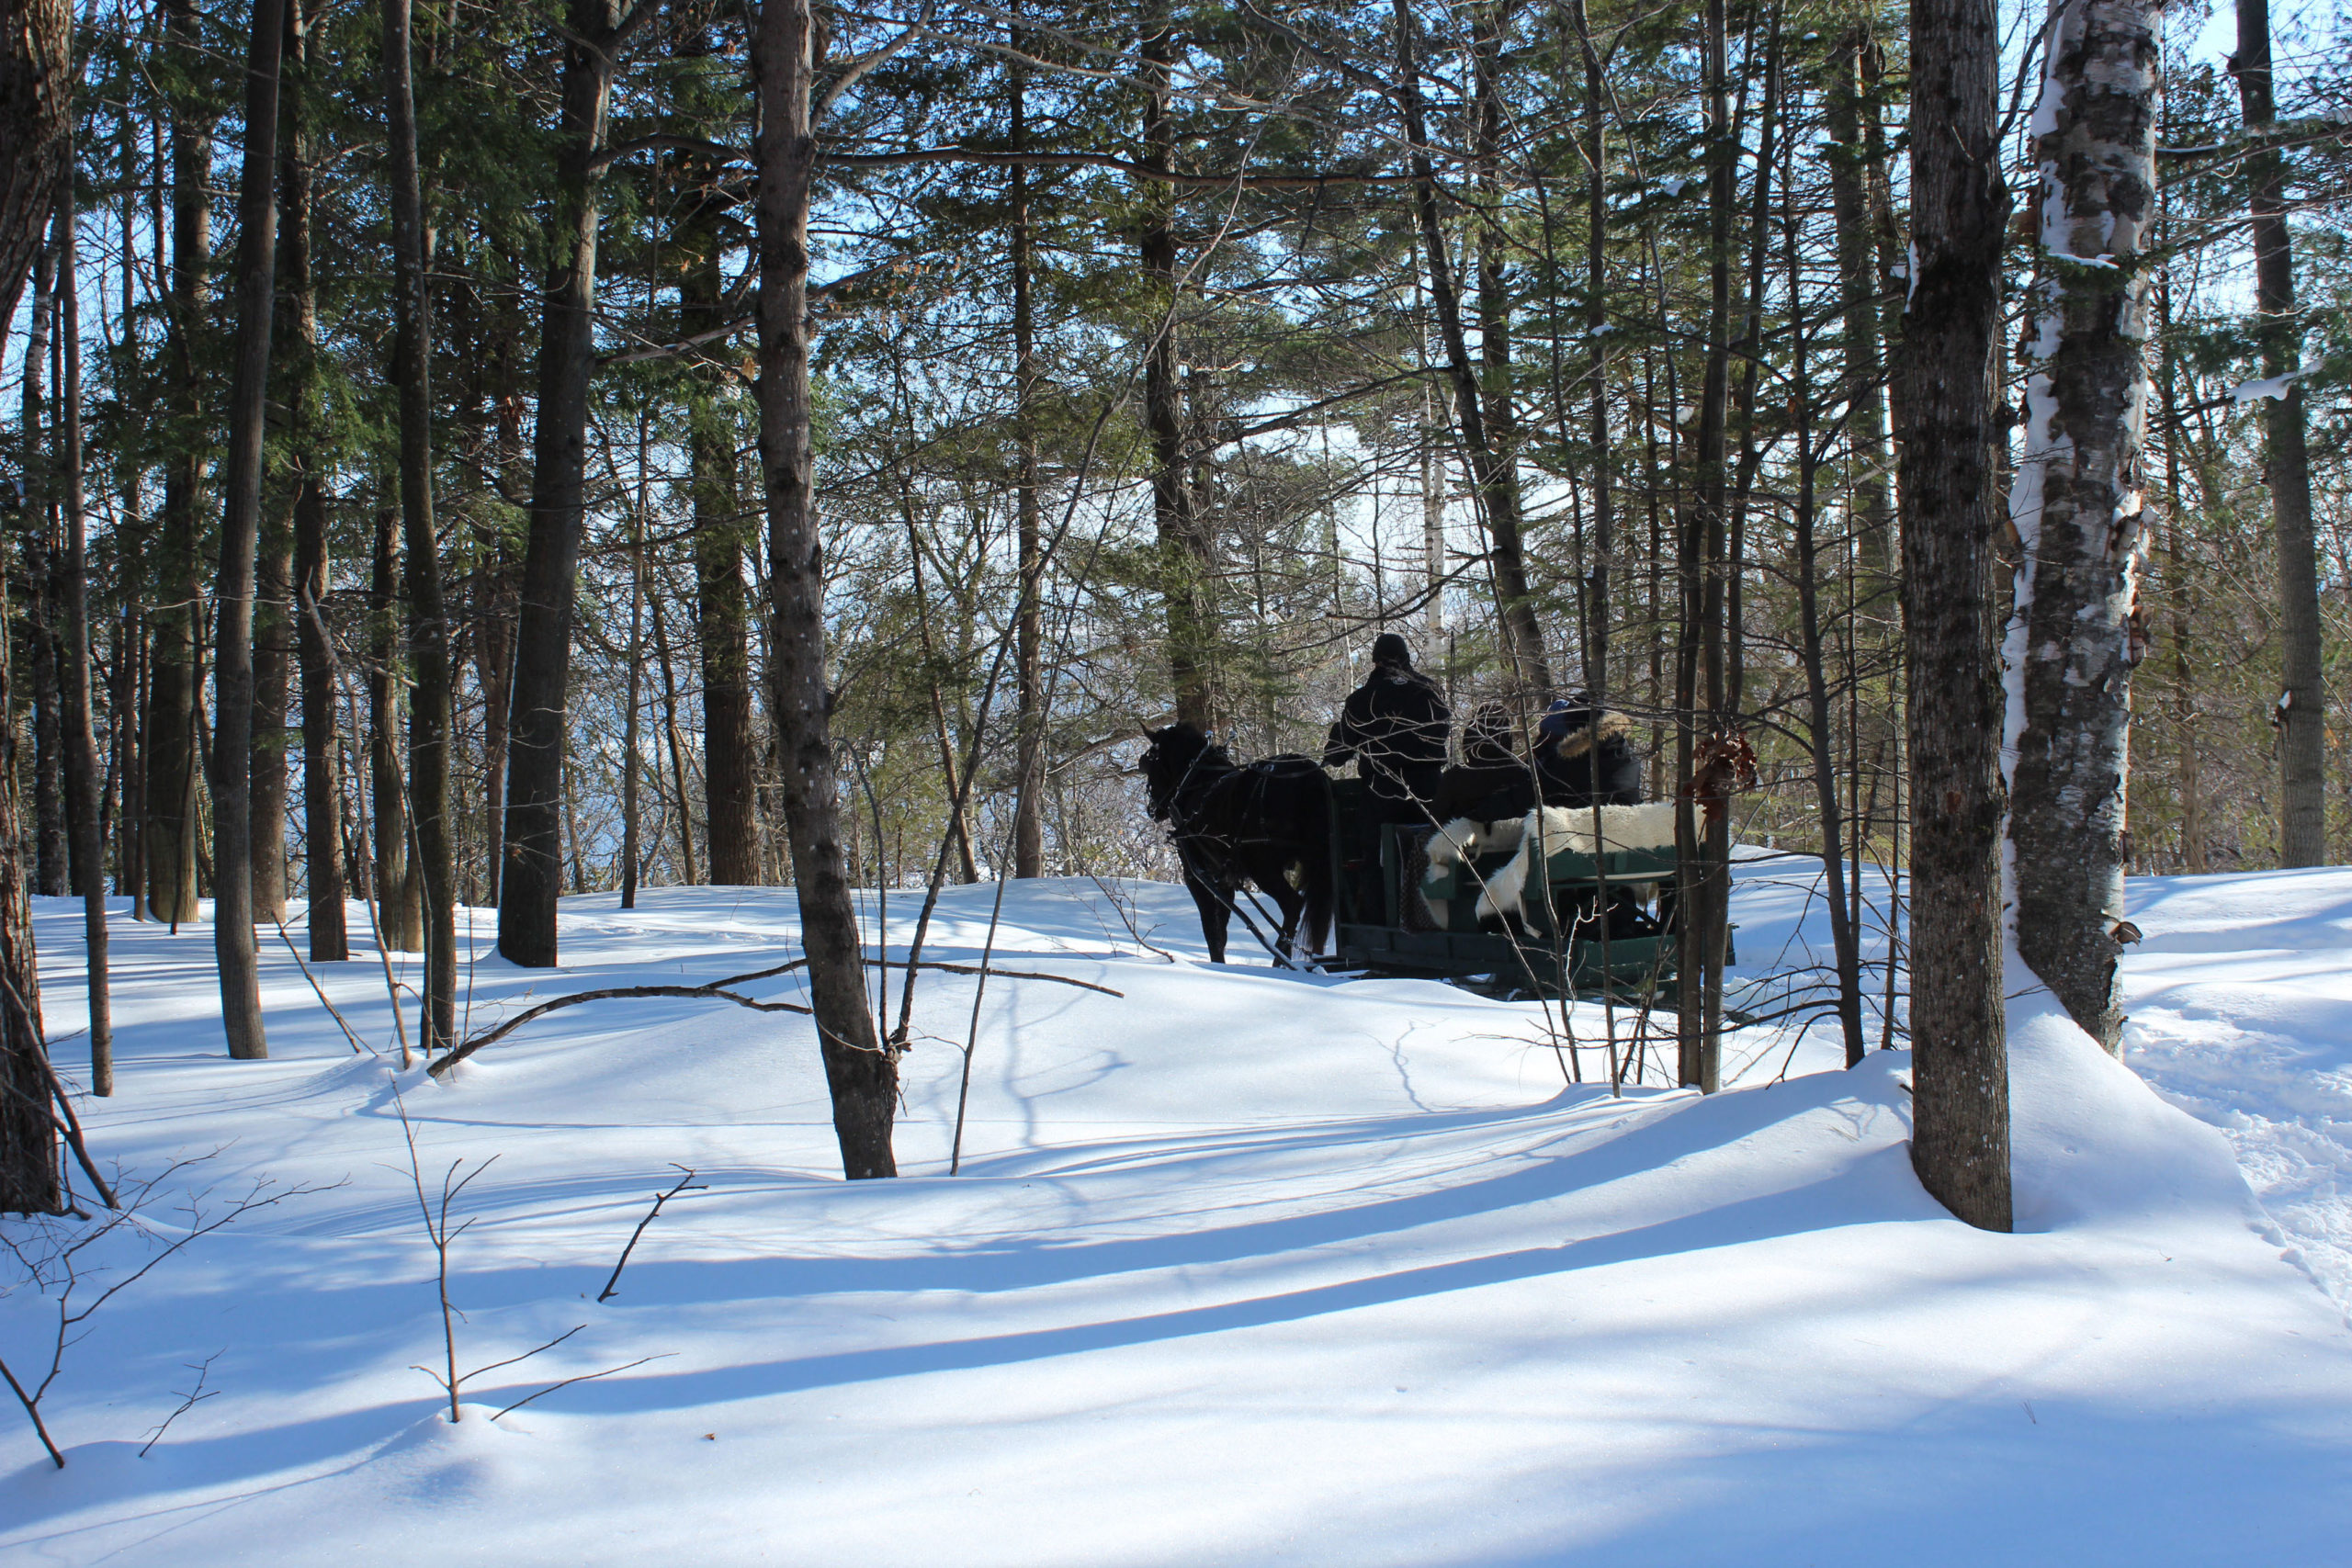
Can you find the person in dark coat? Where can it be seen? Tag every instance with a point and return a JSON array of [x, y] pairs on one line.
[[1492, 780], [1573, 770], [1394, 729]]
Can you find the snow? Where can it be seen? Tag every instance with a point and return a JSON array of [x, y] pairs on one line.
[[1244, 1266]]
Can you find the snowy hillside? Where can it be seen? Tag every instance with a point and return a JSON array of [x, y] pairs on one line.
[[1242, 1267]]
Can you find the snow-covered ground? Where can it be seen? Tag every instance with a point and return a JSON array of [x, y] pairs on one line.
[[1242, 1267]]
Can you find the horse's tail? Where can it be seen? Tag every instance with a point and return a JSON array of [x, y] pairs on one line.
[[1316, 872]]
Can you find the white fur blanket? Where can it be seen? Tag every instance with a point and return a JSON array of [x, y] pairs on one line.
[[1545, 831]]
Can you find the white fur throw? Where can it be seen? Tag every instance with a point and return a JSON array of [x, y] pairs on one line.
[[1555, 830]]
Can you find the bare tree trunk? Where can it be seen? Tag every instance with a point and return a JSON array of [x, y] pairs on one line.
[[41, 353], [322, 777], [1704, 839], [677, 745], [2077, 505], [428, 625], [1029, 737], [1187, 563], [730, 790], [35, 123], [2176, 603], [1497, 508], [1858, 287], [80, 735], [400, 910], [176, 679], [631, 761], [2302, 711], [295, 343], [233, 661], [1960, 209], [1845, 947], [31, 1179], [861, 1073], [532, 877]]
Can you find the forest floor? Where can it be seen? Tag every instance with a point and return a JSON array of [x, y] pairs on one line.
[[1243, 1268]]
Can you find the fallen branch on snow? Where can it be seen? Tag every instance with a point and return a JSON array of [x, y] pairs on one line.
[[719, 990]]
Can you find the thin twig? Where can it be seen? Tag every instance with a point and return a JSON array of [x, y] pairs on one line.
[[584, 1377], [188, 1401], [686, 1183], [357, 1044]]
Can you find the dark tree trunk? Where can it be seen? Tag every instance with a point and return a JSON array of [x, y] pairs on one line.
[[1960, 209], [631, 764], [677, 745], [2302, 711], [428, 627], [723, 531], [1490, 471], [1704, 838], [296, 344], [532, 879], [2077, 506], [232, 678], [861, 1073], [177, 614], [321, 768], [39, 526], [82, 781], [399, 909], [36, 121], [1187, 560], [1029, 734]]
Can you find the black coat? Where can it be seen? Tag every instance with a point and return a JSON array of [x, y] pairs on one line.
[[1393, 727], [1574, 774]]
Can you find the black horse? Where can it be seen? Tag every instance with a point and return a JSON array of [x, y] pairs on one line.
[[1233, 825]]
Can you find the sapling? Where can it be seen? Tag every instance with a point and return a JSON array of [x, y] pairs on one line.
[[51, 1254]]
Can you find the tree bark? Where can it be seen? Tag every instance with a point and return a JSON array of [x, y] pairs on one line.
[[398, 901], [35, 123], [176, 675], [861, 1073], [1187, 560], [233, 661], [531, 880], [295, 343], [1028, 653], [42, 352], [1960, 209], [321, 778], [428, 625], [2076, 504], [2302, 711], [82, 779], [1495, 485], [729, 757], [1704, 839]]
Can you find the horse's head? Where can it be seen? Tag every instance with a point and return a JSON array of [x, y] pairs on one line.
[[1174, 755]]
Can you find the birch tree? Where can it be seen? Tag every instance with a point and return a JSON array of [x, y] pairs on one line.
[[2078, 503]]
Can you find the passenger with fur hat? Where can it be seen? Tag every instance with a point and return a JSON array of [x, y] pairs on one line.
[[1577, 771]]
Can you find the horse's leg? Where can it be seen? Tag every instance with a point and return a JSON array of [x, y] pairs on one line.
[[1214, 915], [1273, 875]]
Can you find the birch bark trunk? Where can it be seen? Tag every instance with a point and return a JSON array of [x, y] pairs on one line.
[[2077, 502]]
